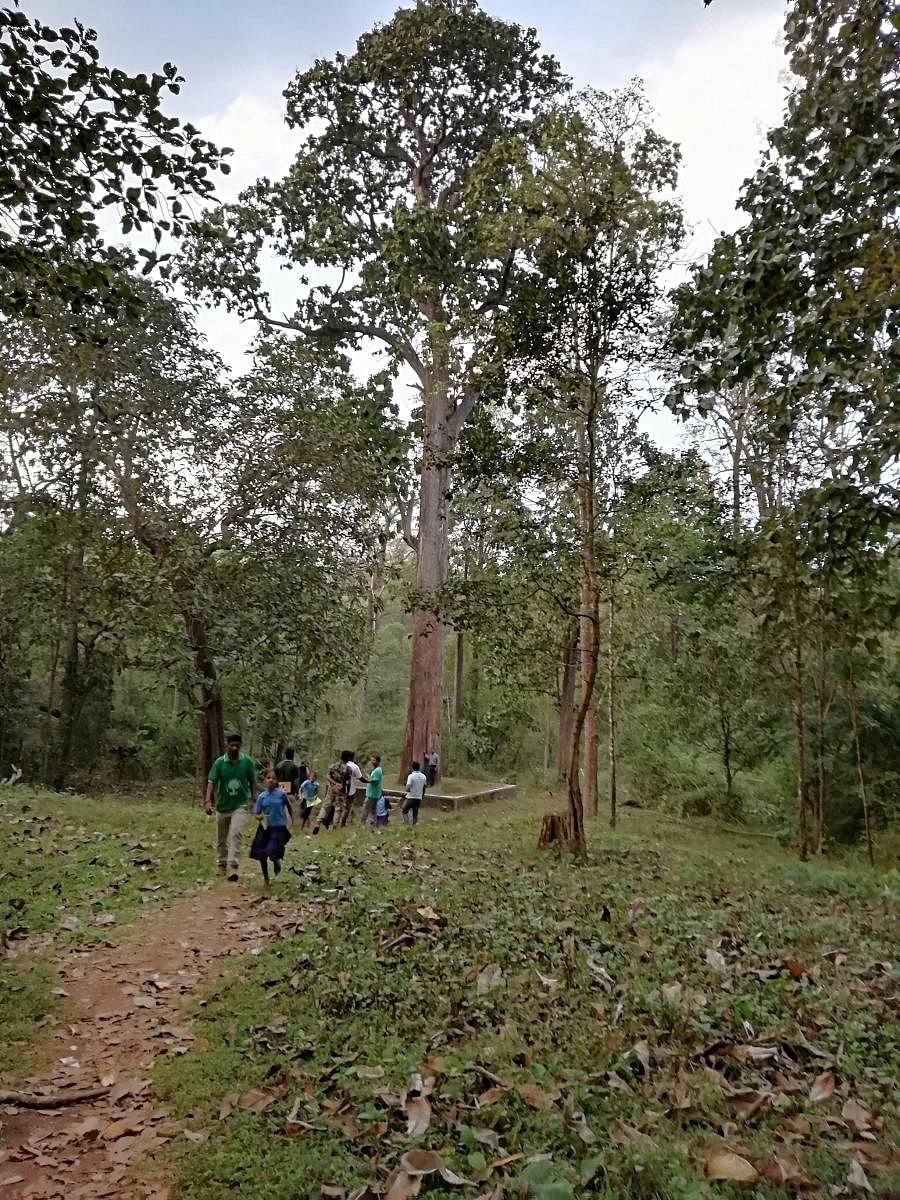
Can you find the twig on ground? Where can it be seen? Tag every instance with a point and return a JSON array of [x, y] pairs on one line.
[[50, 1099]]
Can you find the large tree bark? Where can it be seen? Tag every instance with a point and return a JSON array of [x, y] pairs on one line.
[[423, 711]]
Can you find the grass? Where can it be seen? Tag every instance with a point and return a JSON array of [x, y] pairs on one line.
[[74, 869], [594, 1030]]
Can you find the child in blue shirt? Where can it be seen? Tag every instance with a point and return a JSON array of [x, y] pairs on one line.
[[309, 792], [273, 807]]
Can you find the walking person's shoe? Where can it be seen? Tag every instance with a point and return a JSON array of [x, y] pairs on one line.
[[233, 875]]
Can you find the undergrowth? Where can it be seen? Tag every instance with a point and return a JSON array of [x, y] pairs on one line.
[[597, 1030]]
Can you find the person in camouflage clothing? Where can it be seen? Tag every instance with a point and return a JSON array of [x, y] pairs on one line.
[[336, 796]]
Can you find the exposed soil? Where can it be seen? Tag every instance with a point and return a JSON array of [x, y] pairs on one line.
[[124, 1008]]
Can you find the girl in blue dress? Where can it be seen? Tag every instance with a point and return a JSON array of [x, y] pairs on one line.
[[273, 812]]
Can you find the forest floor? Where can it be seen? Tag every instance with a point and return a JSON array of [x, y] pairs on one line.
[[446, 1008]]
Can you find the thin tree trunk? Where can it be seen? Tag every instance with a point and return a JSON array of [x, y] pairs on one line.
[[72, 684], [591, 732], [211, 719], [725, 732], [800, 740], [458, 676], [210, 714], [857, 750], [567, 701], [611, 749], [589, 621]]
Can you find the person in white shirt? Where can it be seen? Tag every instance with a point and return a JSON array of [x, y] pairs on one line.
[[415, 793]]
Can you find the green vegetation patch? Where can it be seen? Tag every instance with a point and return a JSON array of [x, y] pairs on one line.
[[676, 1009]]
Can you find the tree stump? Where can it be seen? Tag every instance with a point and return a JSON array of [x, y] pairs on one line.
[[556, 827]]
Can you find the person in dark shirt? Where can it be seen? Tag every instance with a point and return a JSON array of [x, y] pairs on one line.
[[288, 772]]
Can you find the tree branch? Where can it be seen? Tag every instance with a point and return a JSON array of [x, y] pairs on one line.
[[462, 412], [404, 348], [405, 508]]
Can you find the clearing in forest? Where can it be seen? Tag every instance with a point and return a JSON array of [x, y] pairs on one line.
[[447, 1009]]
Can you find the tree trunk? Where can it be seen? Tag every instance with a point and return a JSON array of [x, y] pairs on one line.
[[726, 747], [611, 749], [458, 676], [426, 678], [823, 703], [860, 771], [800, 745], [567, 701], [210, 716], [158, 543], [591, 732], [72, 683], [589, 619]]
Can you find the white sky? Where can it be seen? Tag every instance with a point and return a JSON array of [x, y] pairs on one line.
[[714, 76]]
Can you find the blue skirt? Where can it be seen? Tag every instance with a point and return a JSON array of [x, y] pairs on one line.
[[270, 842]]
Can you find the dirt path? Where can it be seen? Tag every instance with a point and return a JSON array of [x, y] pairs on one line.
[[124, 1009]]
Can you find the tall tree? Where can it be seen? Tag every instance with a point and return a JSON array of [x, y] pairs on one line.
[[400, 197], [584, 330]]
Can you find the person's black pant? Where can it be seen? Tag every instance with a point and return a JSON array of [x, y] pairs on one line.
[[410, 810]]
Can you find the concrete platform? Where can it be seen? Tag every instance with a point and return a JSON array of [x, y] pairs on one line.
[[452, 803]]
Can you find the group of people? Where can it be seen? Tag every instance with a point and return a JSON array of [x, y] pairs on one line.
[[289, 797]]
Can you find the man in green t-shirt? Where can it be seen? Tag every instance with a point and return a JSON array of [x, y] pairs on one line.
[[232, 784]]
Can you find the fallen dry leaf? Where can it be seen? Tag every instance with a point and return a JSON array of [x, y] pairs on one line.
[[195, 1135], [822, 1089], [487, 1137], [785, 1170], [627, 1135], [401, 1186], [426, 1162], [856, 1176], [418, 1116], [641, 1052], [672, 993], [577, 1122], [119, 1129], [716, 960], [724, 1164], [636, 909], [488, 978], [856, 1116], [747, 1103], [421, 1162], [144, 1002], [534, 1097], [491, 1096], [228, 1105], [256, 1100]]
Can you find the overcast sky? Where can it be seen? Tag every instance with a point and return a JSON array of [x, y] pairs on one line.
[[714, 75]]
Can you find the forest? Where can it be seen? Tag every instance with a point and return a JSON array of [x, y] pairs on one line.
[[437, 510], [431, 510]]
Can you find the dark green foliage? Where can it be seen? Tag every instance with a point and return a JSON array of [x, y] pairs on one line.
[[77, 137]]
